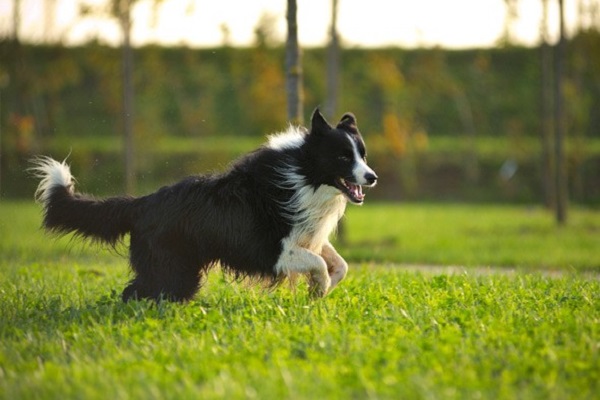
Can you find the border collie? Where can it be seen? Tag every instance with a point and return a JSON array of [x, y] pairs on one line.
[[269, 215]]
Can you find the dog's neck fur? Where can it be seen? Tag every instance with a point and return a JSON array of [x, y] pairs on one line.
[[318, 214], [313, 212]]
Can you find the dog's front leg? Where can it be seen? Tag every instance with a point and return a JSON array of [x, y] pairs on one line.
[[336, 265], [295, 259]]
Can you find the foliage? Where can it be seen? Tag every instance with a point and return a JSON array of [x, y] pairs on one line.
[[502, 86], [384, 333], [405, 100]]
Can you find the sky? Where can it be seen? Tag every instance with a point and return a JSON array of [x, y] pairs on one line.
[[361, 23]]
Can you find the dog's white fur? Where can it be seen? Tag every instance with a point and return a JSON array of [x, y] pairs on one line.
[[51, 173], [316, 212]]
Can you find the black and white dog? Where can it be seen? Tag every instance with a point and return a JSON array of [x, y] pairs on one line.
[[269, 216]]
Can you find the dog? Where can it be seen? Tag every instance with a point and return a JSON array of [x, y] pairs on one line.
[[269, 216]]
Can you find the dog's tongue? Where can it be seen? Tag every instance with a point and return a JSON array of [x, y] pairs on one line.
[[356, 191]]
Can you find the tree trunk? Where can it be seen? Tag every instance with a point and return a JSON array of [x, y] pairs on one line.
[[16, 19], [331, 102], [293, 67], [128, 144], [559, 125], [333, 66], [546, 131]]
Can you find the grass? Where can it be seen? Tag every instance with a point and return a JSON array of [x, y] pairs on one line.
[[435, 234], [473, 235], [233, 145], [485, 146], [384, 333]]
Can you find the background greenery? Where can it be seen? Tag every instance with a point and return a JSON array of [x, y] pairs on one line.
[[439, 124]]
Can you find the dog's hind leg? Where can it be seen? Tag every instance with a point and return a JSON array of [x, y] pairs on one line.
[[180, 288], [336, 265], [162, 273]]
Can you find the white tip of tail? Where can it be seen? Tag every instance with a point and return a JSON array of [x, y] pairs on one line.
[[52, 174]]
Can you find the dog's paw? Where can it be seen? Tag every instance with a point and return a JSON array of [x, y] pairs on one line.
[[337, 272], [318, 285]]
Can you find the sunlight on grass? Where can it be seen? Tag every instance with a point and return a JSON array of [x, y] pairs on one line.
[[385, 332], [472, 235], [438, 234]]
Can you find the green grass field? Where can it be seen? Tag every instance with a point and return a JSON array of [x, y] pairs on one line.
[[519, 237], [384, 333]]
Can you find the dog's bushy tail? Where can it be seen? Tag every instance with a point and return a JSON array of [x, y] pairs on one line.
[[66, 211]]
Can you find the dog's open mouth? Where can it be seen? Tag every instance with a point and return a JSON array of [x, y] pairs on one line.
[[351, 190]]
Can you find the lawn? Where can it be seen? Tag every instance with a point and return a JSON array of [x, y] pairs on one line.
[[473, 235], [384, 333]]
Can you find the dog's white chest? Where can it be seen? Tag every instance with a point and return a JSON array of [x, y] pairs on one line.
[[318, 214]]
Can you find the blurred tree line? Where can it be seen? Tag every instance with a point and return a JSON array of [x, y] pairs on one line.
[[407, 102]]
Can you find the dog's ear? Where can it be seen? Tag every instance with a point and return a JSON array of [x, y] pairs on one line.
[[348, 123], [318, 123]]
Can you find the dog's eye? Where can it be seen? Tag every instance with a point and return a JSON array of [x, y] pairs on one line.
[[347, 156]]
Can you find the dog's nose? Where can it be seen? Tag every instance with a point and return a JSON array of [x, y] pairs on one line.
[[371, 178]]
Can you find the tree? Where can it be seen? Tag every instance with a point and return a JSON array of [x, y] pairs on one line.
[[16, 19], [124, 14], [511, 16], [333, 71], [293, 62], [546, 111], [333, 64], [559, 124], [121, 10]]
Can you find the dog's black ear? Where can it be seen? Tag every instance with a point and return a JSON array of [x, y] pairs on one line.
[[348, 123], [318, 123]]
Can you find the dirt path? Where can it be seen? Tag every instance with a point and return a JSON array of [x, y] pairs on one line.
[[484, 271]]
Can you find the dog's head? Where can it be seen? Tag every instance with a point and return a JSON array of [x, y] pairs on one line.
[[339, 156]]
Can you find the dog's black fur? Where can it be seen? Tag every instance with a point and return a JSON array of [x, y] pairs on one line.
[[239, 219]]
